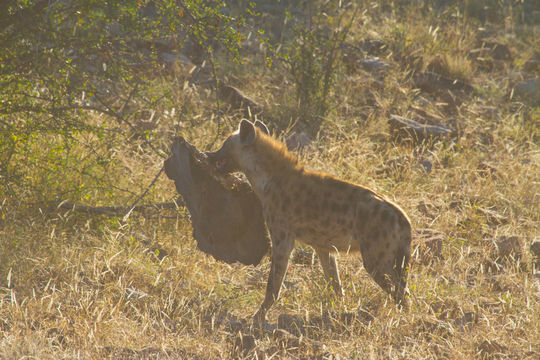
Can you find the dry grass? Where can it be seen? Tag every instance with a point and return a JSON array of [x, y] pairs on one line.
[[76, 286]]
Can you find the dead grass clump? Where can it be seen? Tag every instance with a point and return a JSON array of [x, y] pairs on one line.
[[452, 66]]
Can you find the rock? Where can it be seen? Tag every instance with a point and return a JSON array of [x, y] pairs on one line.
[[485, 168], [303, 257], [147, 352], [535, 251], [437, 65], [144, 114], [404, 162], [464, 322], [425, 165], [431, 210], [365, 316], [489, 349], [354, 56], [373, 46], [352, 52], [492, 217], [427, 246], [529, 91], [159, 252], [159, 45], [174, 59], [432, 82], [479, 109], [437, 329], [347, 319], [114, 29], [491, 54], [536, 280], [133, 293], [493, 267], [234, 326], [395, 164], [140, 237], [149, 10], [533, 64], [405, 128], [243, 345], [484, 61], [497, 50], [239, 101], [293, 324], [285, 339], [426, 115], [339, 321], [423, 101], [374, 65], [298, 142], [509, 247], [144, 121]]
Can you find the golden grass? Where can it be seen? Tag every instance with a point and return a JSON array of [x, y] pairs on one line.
[[77, 286]]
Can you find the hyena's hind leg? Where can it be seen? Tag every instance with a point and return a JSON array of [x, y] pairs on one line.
[[386, 259], [331, 271]]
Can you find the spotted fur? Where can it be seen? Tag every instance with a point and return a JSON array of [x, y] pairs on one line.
[[320, 210]]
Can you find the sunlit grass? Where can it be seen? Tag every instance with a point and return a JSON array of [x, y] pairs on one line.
[[92, 287]]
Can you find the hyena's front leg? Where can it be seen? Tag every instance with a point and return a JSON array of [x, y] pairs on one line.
[[282, 245], [331, 271]]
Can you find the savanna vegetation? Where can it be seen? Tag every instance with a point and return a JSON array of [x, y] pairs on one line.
[[435, 104]]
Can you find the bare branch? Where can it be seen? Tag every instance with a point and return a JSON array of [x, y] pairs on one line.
[[133, 206], [118, 210]]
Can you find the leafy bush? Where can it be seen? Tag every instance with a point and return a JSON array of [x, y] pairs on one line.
[[74, 74], [314, 58]]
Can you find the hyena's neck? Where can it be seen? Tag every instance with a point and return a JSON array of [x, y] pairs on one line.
[[269, 162], [261, 176]]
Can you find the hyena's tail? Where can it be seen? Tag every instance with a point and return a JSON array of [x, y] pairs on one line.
[[401, 269], [389, 268]]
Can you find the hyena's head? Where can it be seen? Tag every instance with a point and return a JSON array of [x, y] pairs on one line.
[[237, 152]]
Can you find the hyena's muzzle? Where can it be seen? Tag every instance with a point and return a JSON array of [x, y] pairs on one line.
[[222, 161]]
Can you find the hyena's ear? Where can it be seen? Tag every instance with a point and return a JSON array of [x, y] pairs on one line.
[[262, 127], [247, 132]]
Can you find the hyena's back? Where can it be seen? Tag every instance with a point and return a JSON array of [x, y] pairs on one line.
[[332, 214]]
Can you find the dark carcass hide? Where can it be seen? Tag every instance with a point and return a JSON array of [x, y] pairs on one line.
[[227, 219]]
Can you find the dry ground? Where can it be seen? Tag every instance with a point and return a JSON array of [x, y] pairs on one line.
[[79, 286]]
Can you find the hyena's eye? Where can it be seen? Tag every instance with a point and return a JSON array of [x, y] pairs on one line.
[[220, 164]]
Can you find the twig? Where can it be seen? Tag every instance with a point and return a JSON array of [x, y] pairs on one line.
[[121, 118], [126, 216], [193, 18], [218, 107], [41, 31], [338, 41], [131, 93], [66, 205]]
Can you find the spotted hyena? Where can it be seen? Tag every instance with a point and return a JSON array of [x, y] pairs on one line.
[[318, 209]]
